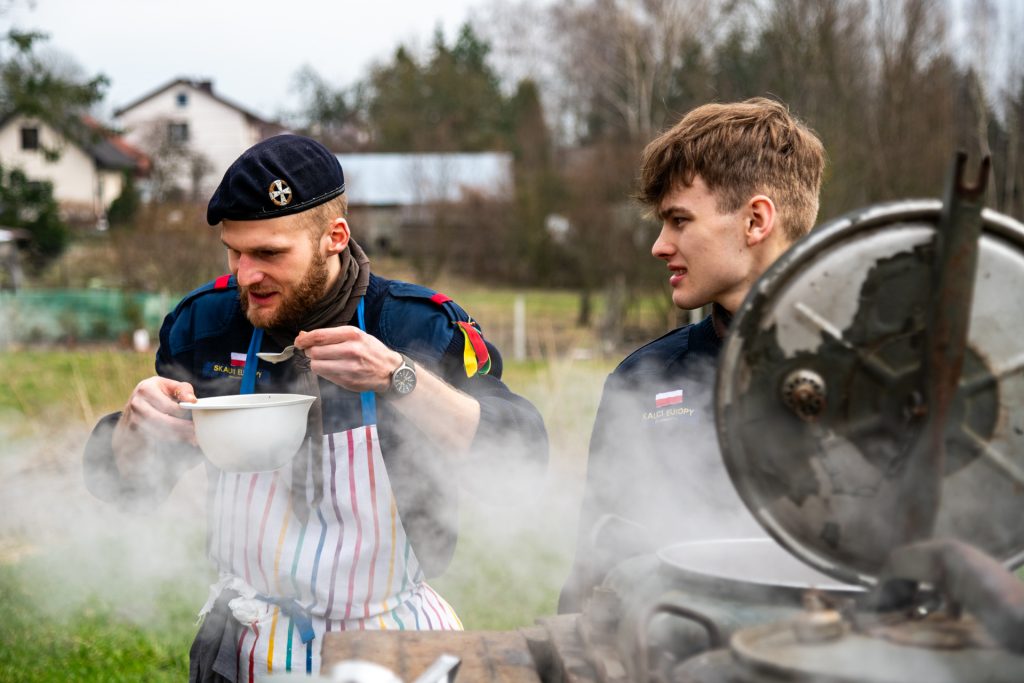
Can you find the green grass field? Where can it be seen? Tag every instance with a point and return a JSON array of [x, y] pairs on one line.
[[78, 600]]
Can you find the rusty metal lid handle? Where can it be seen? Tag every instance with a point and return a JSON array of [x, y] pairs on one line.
[[949, 313], [672, 604], [969, 580]]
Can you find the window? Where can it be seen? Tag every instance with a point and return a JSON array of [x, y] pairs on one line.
[[177, 133], [182, 99], [29, 138]]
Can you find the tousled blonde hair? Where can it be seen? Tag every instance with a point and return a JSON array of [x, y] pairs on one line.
[[740, 149]]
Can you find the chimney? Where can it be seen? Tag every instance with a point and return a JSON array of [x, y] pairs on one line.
[[205, 86]]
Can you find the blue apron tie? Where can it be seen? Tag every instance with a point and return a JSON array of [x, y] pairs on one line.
[[300, 615], [249, 373], [368, 399]]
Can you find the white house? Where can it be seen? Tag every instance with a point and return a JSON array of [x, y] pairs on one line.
[[86, 167], [189, 115]]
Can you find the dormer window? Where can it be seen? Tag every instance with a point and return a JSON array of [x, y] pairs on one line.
[[29, 137], [182, 99]]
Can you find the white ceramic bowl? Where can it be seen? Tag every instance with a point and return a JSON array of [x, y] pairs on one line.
[[250, 432]]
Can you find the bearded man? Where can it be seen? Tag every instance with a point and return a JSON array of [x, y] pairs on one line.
[[409, 401]]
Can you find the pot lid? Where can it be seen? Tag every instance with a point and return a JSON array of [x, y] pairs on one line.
[[826, 397], [908, 651]]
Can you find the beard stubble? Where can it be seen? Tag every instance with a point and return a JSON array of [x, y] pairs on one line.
[[294, 305]]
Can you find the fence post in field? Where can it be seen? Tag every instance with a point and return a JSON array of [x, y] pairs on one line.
[[519, 328]]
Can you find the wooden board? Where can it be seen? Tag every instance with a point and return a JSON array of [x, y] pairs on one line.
[[497, 656]]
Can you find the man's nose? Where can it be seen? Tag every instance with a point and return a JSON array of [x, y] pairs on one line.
[[661, 248], [248, 273]]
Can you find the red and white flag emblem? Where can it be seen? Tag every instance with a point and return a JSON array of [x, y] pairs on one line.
[[237, 360], [668, 398]]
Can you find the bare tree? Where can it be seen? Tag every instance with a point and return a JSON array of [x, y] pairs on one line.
[[619, 57]]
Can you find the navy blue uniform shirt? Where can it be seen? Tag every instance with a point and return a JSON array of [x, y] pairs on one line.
[[654, 471]]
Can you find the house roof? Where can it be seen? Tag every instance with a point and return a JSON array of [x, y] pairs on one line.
[[410, 179], [113, 151], [107, 149], [205, 86]]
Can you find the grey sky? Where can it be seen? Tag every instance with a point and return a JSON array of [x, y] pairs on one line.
[[251, 49]]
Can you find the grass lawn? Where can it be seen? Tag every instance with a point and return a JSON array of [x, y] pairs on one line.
[[95, 638], [91, 593]]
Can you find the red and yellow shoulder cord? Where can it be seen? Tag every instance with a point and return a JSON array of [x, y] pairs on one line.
[[475, 356]]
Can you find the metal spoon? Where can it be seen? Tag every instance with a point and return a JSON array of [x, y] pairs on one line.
[[285, 353]]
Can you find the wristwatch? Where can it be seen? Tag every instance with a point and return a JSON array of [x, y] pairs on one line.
[[403, 378]]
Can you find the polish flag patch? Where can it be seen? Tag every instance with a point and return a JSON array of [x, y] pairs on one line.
[[238, 360], [668, 398]]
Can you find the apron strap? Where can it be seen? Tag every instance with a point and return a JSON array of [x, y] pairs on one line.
[[368, 399], [249, 373]]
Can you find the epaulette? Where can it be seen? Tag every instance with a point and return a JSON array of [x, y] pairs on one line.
[[200, 315], [475, 356], [222, 283]]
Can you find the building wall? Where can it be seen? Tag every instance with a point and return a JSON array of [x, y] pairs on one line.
[[378, 229], [74, 175], [110, 185], [217, 131]]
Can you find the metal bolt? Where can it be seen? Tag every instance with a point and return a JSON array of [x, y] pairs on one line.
[[819, 626], [803, 392]]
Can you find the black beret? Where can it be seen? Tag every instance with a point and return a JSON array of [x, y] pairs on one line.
[[281, 175]]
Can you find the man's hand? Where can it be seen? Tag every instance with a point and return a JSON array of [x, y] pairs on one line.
[[349, 357], [357, 361], [152, 413]]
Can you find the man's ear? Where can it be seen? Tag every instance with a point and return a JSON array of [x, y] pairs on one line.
[[337, 237], [761, 217]]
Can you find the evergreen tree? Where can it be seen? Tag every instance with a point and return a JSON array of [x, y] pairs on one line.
[[397, 104], [29, 86], [30, 205], [539, 192], [335, 117], [123, 209], [452, 102]]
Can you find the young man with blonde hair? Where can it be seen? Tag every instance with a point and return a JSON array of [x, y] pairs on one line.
[[733, 185]]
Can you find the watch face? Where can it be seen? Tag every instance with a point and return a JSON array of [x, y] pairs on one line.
[[404, 380]]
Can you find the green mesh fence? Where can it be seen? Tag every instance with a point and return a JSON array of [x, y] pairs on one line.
[[32, 316]]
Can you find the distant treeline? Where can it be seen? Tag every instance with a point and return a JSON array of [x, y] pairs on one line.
[[575, 89]]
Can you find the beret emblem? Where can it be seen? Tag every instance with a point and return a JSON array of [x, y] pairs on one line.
[[280, 193]]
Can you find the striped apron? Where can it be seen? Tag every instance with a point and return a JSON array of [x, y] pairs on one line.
[[350, 566]]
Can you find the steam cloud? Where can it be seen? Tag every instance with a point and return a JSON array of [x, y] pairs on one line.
[[89, 549], [125, 557]]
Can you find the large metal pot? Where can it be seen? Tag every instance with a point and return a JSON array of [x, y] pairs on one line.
[[692, 597], [749, 570]]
